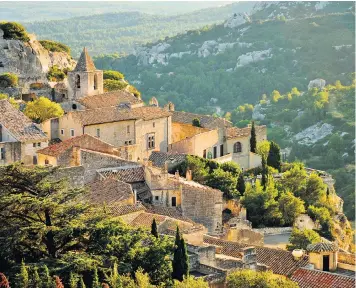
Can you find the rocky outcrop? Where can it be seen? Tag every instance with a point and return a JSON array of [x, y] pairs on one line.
[[314, 133], [237, 20], [29, 60], [318, 83], [253, 56]]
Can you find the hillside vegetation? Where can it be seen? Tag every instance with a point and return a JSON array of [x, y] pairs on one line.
[[121, 32]]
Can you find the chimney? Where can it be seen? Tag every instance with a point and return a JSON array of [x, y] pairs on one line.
[[135, 196], [166, 166], [176, 175], [75, 161], [188, 175]]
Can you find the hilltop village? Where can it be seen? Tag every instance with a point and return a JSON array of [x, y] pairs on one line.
[[132, 159]]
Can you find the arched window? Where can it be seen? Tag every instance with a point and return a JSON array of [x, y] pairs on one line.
[[46, 161], [237, 147], [95, 82], [77, 81]]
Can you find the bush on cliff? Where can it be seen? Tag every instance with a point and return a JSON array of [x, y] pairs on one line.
[[54, 46], [8, 80], [15, 31]]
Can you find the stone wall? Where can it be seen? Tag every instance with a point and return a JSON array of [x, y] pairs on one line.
[[74, 175], [12, 152], [182, 131]]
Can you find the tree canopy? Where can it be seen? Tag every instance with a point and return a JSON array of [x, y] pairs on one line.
[[43, 109]]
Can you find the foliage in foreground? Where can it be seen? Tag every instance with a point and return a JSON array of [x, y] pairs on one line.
[[300, 239], [253, 279]]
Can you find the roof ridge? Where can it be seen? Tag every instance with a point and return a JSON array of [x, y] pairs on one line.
[[85, 63]]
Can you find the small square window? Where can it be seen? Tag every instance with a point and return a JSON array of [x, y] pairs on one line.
[[98, 133], [154, 124], [156, 198], [151, 141], [72, 132], [2, 153], [62, 131], [128, 129], [34, 144], [39, 144]]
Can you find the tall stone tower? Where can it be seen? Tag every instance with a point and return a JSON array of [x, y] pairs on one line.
[[85, 79]]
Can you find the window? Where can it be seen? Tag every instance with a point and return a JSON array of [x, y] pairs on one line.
[[74, 106], [128, 129], [154, 124], [39, 144], [129, 142], [2, 153], [62, 131], [46, 162], [204, 153], [222, 150], [98, 133], [95, 82], [77, 81], [34, 160], [130, 157], [156, 198], [34, 144], [237, 147], [151, 141], [174, 201], [215, 152], [72, 132]]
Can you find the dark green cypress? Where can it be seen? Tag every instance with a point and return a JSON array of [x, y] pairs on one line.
[[154, 231], [178, 263], [185, 258], [253, 142], [96, 283], [241, 187], [274, 156]]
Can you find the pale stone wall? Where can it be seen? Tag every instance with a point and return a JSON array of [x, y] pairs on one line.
[[182, 131], [86, 84], [67, 122], [28, 152], [165, 197], [41, 160], [317, 260], [12, 152], [196, 145]]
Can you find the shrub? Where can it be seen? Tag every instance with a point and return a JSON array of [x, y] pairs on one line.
[[113, 75], [133, 90], [196, 122], [8, 80], [112, 85], [55, 46], [37, 86], [55, 74], [15, 31]]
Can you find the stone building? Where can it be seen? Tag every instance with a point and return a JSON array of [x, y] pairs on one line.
[[215, 138], [20, 138]]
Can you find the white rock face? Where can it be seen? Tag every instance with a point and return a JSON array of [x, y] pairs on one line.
[[318, 83], [253, 56], [321, 5], [205, 49], [237, 20], [147, 56], [339, 47], [30, 61], [314, 133]]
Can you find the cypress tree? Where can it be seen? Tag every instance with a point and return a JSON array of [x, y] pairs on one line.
[[96, 283], [241, 187], [264, 173], [73, 280], [253, 141], [47, 281], [274, 156], [154, 231], [177, 241], [180, 263], [81, 283], [185, 258], [23, 276], [36, 280]]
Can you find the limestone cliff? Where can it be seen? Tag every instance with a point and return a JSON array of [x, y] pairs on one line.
[[29, 60]]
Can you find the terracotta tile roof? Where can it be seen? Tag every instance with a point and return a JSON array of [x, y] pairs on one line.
[[85, 63], [19, 126], [322, 247], [206, 121], [116, 114], [168, 211], [119, 210], [128, 173], [109, 191], [109, 99], [307, 278], [280, 261], [145, 220], [78, 141], [235, 132], [159, 158]]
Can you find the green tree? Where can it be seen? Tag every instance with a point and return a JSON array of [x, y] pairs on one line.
[[263, 148], [43, 109], [253, 141], [196, 122], [95, 283], [231, 167], [73, 280], [275, 96], [241, 187], [113, 75], [36, 280], [114, 85], [46, 278], [142, 279], [290, 207], [23, 280], [322, 216], [264, 173], [154, 231], [39, 213], [274, 156], [254, 279], [294, 180], [54, 46], [315, 192], [300, 239], [224, 181], [180, 261], [81, 283], [114, 278]]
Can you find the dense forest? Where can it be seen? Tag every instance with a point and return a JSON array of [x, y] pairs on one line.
[[122, 32]]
